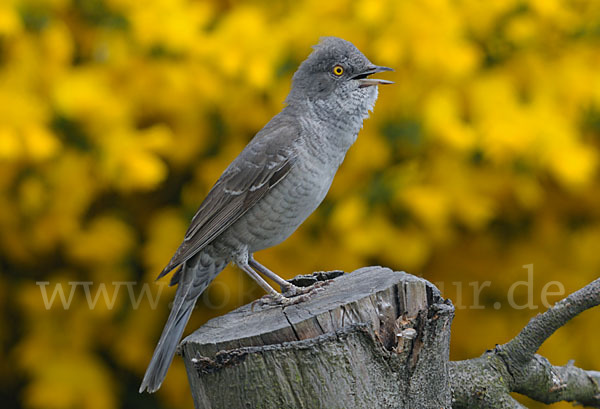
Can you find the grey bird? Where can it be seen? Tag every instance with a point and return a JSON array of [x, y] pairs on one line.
[[275, 183]]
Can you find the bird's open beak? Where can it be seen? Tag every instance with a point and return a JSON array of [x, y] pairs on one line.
[[363, 81]]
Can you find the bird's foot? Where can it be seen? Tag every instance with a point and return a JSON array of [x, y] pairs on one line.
[[276, 299], [291, 295], [295, 291]]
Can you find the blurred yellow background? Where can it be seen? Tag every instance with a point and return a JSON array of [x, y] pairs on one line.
[[117, 116]]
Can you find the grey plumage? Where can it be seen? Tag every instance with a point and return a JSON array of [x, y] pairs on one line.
[[275, 183]]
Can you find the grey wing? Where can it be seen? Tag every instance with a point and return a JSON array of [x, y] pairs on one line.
[[261, 165]]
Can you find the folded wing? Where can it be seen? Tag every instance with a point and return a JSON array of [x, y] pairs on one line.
[[266, 160]]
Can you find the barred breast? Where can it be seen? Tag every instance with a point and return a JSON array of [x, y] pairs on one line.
[[279, 213]]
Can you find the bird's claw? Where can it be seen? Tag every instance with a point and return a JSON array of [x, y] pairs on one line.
[[293, 290], [304, 293], [273, 300], [291, 295]]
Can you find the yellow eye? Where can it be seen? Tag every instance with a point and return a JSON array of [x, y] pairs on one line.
[[338, 70]]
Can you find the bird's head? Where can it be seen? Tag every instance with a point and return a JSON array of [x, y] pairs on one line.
[[335, 76]]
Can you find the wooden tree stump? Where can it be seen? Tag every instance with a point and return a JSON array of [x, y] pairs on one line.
[[374, 338]]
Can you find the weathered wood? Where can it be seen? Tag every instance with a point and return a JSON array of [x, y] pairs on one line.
[[374, 338]]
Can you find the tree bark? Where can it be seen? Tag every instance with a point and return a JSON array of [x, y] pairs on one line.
[[375, 338]]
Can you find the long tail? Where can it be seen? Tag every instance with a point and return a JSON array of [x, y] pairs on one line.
[[191, 285]]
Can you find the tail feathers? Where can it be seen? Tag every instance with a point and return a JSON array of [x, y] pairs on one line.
[[193, 278], [165, 350]]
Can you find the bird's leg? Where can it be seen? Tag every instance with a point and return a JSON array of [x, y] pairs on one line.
[[256, 277], [288, 289]]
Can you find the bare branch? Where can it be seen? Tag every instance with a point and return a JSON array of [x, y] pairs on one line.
[[488, 380], [481, 383], [522, 347], [542, 381]]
